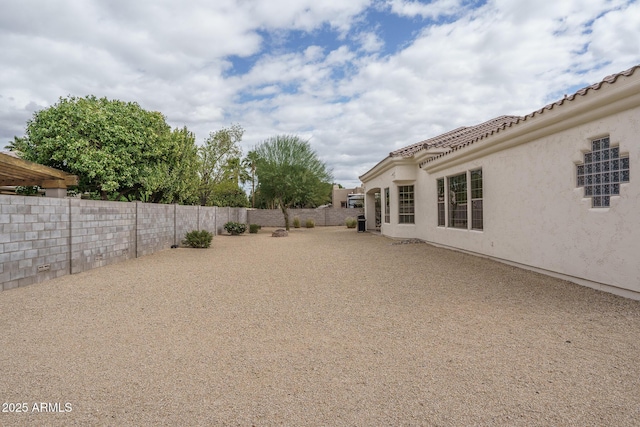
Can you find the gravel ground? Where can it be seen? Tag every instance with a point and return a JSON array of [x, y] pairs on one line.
[[326, 327]]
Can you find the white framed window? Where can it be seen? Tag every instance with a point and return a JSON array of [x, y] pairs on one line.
[[475, 178], [457, 201], [406, 206], [441, 210], [387, 206], [461, 199]]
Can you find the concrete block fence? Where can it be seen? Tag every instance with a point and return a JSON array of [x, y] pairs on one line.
[[322, 217], [43, 238], [35, 240]]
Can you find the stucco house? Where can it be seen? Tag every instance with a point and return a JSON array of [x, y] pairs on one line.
[[340, 197], [551, 191]]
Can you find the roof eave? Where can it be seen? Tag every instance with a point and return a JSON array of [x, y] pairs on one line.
[[593, 104], [383, 166]]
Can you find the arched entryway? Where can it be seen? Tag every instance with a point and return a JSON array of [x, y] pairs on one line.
[[373, 209]]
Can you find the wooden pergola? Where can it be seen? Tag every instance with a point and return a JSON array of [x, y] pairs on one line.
[[15, 171]]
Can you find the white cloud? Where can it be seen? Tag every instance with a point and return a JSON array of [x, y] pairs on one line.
[[355, 105], [615, 36], [433, 9], [369, 41]]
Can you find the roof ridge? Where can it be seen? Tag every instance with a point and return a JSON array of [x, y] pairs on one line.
[[418, 145], [610, 79], [455, 137]]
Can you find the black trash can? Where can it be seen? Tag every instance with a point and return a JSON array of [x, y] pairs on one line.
[[362, 224]]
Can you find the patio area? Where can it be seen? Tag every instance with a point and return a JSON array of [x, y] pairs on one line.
[[324, 327]]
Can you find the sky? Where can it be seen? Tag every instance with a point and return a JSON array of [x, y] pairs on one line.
[[356, 78]]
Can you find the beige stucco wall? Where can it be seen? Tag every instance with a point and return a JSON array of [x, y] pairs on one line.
[[407, 175], [534, 215]]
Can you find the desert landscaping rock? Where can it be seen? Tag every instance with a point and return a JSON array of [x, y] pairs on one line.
[[281, 232], [408, 242], [329, 327]]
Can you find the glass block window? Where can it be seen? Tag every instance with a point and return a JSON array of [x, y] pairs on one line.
[[458, 201], [406, 204], [476, 199], [441, 214], [387, 205], [602, 172]]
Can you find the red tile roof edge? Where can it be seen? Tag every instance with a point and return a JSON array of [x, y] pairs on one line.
[[457, 136], [412, 149]]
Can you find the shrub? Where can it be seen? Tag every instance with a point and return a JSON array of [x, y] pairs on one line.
[[351, 222], [235, 228], [310, 223], [253, 228], [296, 222], [198, 239]]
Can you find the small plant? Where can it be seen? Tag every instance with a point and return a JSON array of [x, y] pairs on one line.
[[351, 222], [310, 223], [27, 191], [198, 239], [235, 228], [296, 222], [253, 228]]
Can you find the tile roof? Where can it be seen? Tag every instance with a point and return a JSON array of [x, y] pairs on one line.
[[463, 142], [457, 136], [582, 92]]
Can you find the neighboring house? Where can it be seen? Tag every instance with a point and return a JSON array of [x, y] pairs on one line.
[[556, 191], [346, 197]]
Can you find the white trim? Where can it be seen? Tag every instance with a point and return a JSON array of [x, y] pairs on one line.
[[385, 165]]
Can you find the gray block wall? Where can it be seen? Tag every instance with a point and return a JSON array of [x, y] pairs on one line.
[[43, 238], [155, 227], [34, 240], [241, 215], [224, 215], [187, 219], [322, 217], [227, 214], [101, 233], [208, 220], [338, 216]]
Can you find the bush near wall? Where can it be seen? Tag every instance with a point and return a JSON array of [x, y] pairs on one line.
[[351, 222], [198, 239], [235, 228]]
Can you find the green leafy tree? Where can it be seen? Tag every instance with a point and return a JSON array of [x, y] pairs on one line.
[[322, 196], [228, 193], [262, 202], [219, 148], [15, 144], [236, 171], [290, 172], [181, 181], [117, 149], [250, 163]]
